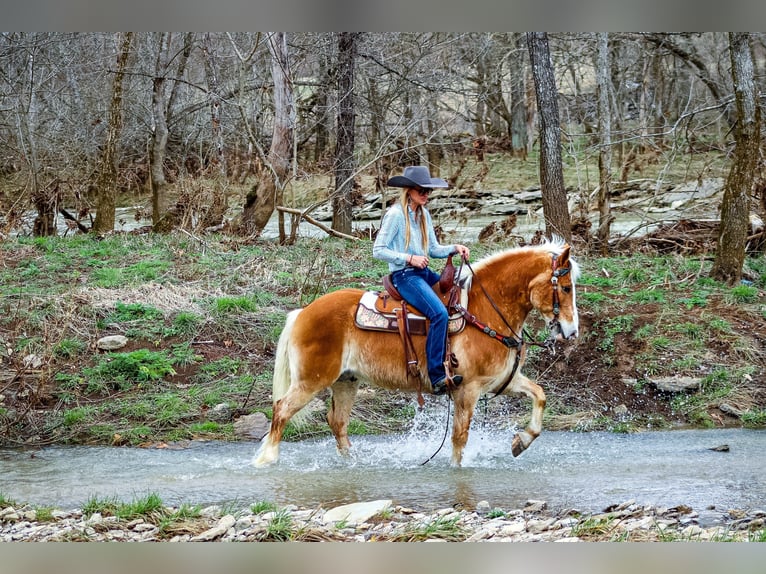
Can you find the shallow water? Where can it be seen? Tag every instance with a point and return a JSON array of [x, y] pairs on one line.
[[586, 471]]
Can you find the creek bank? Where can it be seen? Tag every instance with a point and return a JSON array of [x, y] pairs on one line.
[[380, 521]]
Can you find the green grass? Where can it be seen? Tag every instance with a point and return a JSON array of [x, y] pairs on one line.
[[441, 528], [262, 506], [280, 527], [122, 370], [754, 418], [5, 502], [218, 346], [742, 294]]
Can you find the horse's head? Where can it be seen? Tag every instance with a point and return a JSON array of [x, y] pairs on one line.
[[553, 293]]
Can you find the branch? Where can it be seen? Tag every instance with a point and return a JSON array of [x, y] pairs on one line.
[[313, 221]]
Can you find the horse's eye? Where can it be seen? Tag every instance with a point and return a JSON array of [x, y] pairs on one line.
[[566, 289]]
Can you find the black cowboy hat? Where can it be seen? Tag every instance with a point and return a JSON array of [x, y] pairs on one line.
[[416, 176]]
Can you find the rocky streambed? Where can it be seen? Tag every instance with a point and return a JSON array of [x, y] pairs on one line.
[[380, 521]]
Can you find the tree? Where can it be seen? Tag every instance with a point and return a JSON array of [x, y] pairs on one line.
[[518, 101], [735, 208], [605, 133], [267, 193], [107, 176], [344, 148], [162, 103], [555, 208]]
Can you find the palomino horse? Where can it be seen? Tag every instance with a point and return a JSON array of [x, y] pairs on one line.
[[322, 347]]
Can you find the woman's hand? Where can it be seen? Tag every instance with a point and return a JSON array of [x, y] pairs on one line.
[[419, 261], [463, 251]]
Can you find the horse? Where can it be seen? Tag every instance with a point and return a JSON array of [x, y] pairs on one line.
[[321, 346]]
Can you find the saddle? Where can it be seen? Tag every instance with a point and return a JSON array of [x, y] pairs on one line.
[[387, 311]]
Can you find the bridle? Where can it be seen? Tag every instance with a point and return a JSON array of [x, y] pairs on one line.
[[557, 272], [515, 341]]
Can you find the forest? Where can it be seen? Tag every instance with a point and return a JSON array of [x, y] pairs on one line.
[[197, 125]]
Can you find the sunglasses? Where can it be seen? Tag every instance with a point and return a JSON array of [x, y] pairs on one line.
[[424, 190]]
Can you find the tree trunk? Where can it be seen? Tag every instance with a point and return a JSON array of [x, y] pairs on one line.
[[605, 133], [161, 109], [160, 136], [211, 71], [518, 103], [321, 132], [162, 219], [344, 148], [267, 192], [555, 208], [107, 177], [735, 208]]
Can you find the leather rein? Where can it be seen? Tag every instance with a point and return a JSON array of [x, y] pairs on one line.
[[514, 341]]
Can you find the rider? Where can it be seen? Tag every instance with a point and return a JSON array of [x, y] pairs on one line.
[[406, 241]]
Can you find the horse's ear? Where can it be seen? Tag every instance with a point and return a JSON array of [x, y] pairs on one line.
[[564, 257]]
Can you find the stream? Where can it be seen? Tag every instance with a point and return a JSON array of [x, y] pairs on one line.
[[584, 471]]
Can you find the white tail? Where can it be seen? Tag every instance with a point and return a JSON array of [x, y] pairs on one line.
[[282, 376]]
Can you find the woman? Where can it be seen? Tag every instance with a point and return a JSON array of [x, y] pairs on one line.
[[406, 241]]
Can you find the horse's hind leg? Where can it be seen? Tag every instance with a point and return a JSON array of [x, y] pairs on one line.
[[343, 395], [284, 409], [522, 440], [465, 398]]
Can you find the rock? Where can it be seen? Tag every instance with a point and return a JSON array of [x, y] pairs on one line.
[[32, 361], [255, 426], [676, 384], [112, 342], [483, 508], [535, 506], [217, 531], [220, 413], [356, 512], [730, 410]]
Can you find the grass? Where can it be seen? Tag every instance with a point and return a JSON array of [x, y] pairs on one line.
[[202, 326], [280, 527], [441, 528]]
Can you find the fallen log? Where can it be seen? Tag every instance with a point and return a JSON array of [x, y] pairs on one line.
[[313, 221]]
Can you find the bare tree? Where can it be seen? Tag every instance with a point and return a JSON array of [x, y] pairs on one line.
[[107, 177], [268, 191], [162, 102], [344, 148], [735, 207], [518, 101], [605, 149], [555, 208]]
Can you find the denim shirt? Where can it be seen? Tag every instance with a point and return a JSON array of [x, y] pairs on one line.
[[389, 244]]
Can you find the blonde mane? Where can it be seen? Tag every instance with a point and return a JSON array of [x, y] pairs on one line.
[[554, 246]]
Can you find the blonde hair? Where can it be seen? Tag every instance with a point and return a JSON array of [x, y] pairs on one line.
[[404, 199]]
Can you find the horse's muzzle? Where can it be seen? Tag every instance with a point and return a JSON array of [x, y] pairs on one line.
[[561, 332]]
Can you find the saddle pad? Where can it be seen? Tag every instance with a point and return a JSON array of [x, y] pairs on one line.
[[377, 312]]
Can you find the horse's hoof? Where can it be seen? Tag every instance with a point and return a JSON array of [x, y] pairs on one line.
[[517, 447], [259, 462]]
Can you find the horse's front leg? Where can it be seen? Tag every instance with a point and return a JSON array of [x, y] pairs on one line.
[[343, 395], [522, 384], [464, 397]]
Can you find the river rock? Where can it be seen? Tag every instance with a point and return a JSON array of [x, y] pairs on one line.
[[641, 523], [255, 426], [217, 531], [357, 512], [112, 342]]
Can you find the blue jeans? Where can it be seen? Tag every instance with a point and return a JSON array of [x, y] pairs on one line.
[[415, 286]]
